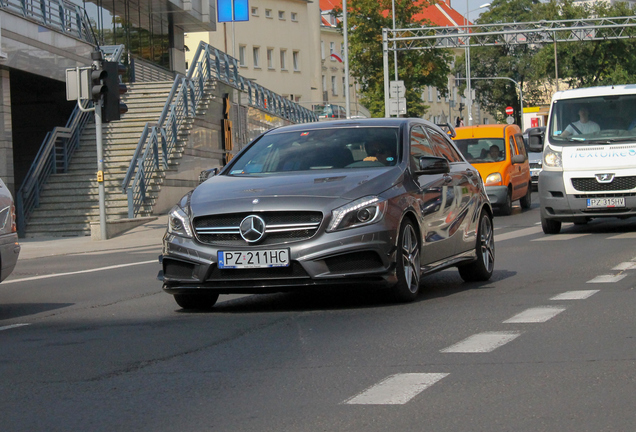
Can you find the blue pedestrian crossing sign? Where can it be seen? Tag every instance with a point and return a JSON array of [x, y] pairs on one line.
[[232, 10]]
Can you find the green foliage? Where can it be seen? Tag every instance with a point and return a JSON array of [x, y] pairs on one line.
[[417, 68], [580, 64]]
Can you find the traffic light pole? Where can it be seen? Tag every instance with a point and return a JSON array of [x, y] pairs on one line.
[[100, 170]]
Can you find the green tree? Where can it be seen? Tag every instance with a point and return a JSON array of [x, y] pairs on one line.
[[417, 68], [589, 63], [510, 61]]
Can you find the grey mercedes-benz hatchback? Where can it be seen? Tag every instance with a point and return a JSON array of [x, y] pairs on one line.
[[371, 201]]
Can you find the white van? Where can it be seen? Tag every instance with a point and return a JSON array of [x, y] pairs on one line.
[[589, 156]]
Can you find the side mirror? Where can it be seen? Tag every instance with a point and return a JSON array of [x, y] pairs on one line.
[[433, 165], [206, 174], [535, 141], [517, 159]]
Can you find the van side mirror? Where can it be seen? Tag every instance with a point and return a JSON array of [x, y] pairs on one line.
[[535, 141], [517, 159], [206, 174], [433, 165]]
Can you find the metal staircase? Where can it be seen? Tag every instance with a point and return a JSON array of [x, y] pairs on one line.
[[69, 201]]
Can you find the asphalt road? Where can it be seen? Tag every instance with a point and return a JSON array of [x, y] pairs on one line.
[[90, 343]]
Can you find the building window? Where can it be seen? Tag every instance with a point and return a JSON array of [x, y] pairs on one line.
[[296, 60], [430, 94], [254, 11], [344, 87], [268, 13], [342, 49], [294, 16], [324, 83], [281, 15], [242, 49], [332, 49], [283, 59], [257, 62], [270, 58], [334, 86]]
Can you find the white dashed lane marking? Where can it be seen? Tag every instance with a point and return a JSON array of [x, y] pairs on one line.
[[536, 315], [12, 326], [607, 278], [625, 266], [575, 295], [629, 235], [560, 237], [482, 342], [396, 389]]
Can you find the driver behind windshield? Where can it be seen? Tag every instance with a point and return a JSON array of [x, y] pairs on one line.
[[380, 151], [583, 126]]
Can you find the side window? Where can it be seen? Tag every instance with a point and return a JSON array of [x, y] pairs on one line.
[[513, 150], [443, 147], [521, 146], [420, 146]]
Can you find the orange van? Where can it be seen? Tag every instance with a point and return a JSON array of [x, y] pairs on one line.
[[499, 154]]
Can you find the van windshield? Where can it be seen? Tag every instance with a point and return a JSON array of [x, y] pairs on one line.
[[482, 150], [599, 119]]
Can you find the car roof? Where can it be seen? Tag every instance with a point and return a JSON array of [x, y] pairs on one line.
[[347, 123], [485, 131]]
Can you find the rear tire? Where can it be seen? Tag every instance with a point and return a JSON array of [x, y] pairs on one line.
[[526, 201], [550, 226], [407, 264], [506, 208], [196, 301], [481, 269]]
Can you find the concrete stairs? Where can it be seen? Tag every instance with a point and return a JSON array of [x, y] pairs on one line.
[[70, 201]]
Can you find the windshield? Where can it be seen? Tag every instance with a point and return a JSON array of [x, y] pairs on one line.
[[600, 119], [482, 150], [323, 149]]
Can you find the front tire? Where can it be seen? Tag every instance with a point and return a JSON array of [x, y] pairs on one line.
[[526, 201], [506, 208], [550, 226], [482, 268], [196, 301], [407, 264]]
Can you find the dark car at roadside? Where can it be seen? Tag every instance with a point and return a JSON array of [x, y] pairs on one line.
[[373, 202], [9, 245]]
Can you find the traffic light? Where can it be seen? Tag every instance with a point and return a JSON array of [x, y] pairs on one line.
[[98, 84], [113, 107], [461, 107]]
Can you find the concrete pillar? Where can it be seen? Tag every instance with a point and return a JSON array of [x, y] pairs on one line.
[[6, 135]]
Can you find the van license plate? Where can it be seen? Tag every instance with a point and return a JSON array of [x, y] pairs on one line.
[[253, 259], [605, 202]]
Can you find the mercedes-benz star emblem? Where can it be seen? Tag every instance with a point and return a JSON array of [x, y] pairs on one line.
[[252, 228]]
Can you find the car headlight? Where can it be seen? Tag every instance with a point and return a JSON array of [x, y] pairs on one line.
[[363, 211], [493, 179], [552, 158], [179, 222]]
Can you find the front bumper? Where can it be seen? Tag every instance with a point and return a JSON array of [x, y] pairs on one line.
[[497, 195], [557, 204], [9, 252], [359, 255]]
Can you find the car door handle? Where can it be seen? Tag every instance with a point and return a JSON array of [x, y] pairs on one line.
[[470, 174], [447, 178]]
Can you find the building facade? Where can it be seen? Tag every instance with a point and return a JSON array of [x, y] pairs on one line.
[[40, 40]]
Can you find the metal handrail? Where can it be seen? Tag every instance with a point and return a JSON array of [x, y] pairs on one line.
[[54, 155], [60, 15], [158, 140]]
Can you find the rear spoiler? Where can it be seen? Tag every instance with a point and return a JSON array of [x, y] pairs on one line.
[[448, 128]]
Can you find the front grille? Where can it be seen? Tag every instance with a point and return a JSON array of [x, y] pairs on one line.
[[281, 227], [294, 271], [536, 165], [591, 185], [605, 195]]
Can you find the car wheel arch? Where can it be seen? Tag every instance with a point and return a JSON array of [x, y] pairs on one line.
[[412, 217]]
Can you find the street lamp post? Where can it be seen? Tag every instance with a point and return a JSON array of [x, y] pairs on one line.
[[469, 96], [516, 85]]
